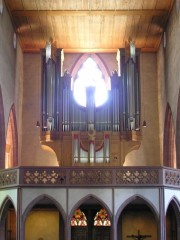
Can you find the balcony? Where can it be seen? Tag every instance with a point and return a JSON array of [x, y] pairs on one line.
[[90, 177]]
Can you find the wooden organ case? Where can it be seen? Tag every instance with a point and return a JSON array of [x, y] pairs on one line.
[[91, 135]]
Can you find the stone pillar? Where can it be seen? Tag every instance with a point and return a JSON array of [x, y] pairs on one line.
[[162, 219]]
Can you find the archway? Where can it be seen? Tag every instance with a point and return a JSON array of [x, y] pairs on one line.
[[11, 157], [8, 221], [90, 220], [178, 132], [172, 221], [169, 148], [2, 132], [137, 219], [43, 219]]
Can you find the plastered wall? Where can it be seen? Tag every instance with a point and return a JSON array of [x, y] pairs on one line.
[[11, 72]]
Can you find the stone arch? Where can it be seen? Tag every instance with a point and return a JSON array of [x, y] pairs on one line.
[[11, 158], [89, 199], [4, 208], [175, 204], [173, 208], [2, 133], [169, 146], [36, 201], [131, 199], [127, 203]]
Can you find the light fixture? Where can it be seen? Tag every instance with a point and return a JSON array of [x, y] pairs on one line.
[[144, 124], [37, 124]]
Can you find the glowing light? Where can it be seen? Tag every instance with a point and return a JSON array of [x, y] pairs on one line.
[[90, 75]]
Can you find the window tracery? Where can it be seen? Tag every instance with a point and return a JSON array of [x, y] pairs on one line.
[[102, 219], [79, 219]]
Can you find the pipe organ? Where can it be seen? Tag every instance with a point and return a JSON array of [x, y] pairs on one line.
[[90, 129]]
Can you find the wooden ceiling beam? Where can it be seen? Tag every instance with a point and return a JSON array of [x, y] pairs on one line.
[[93, 50], [133, 12]]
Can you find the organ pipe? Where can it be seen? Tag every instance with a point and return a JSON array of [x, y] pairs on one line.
[[51, 102], [130, 88]]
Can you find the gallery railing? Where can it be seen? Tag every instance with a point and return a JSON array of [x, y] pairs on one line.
[[90, 176]]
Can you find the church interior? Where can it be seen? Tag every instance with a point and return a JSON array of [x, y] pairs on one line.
[[89, 119]]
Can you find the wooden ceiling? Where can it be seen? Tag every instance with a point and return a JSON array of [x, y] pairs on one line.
[[89, 25]]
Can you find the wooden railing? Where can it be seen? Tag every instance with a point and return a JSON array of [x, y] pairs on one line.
[[89, 176]]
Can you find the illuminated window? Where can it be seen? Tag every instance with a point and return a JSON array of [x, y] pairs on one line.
[[79, 219], [102, 219], [90, 75]]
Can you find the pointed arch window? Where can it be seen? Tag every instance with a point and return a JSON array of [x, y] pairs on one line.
[[11, 154], [88, 75], [79, 219], [102, 219]]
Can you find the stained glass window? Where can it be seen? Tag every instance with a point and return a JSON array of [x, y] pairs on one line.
[[90, 75], [102, 218], [79, 219]]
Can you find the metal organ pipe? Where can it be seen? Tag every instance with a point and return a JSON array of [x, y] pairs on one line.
[[130, 95], [51, 102], [50, 94], [130, 89], [91, 152], [106, 149]]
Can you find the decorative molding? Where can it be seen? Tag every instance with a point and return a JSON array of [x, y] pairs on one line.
[[90, 176], [8, 178], [172, 177], [44, 177], [139, 176]]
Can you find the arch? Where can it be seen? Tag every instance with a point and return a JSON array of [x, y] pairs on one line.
[[178, 132], [4, 209], [175, 203], [172, 223], [36, 201], [5, 205], [11, 158], [2, 133], [169, 146], [90, 200], [130, 200], [99, 62], [131, 211]]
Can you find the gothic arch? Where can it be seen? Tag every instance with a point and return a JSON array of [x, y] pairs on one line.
[[178, 132], [36, 201], [97, 59], [130, 200], [173, 218], [4, 208], [88, 198], [169, 146], [11, 158], [6, 203], [175, 203], [138, 212], [2, 133]]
